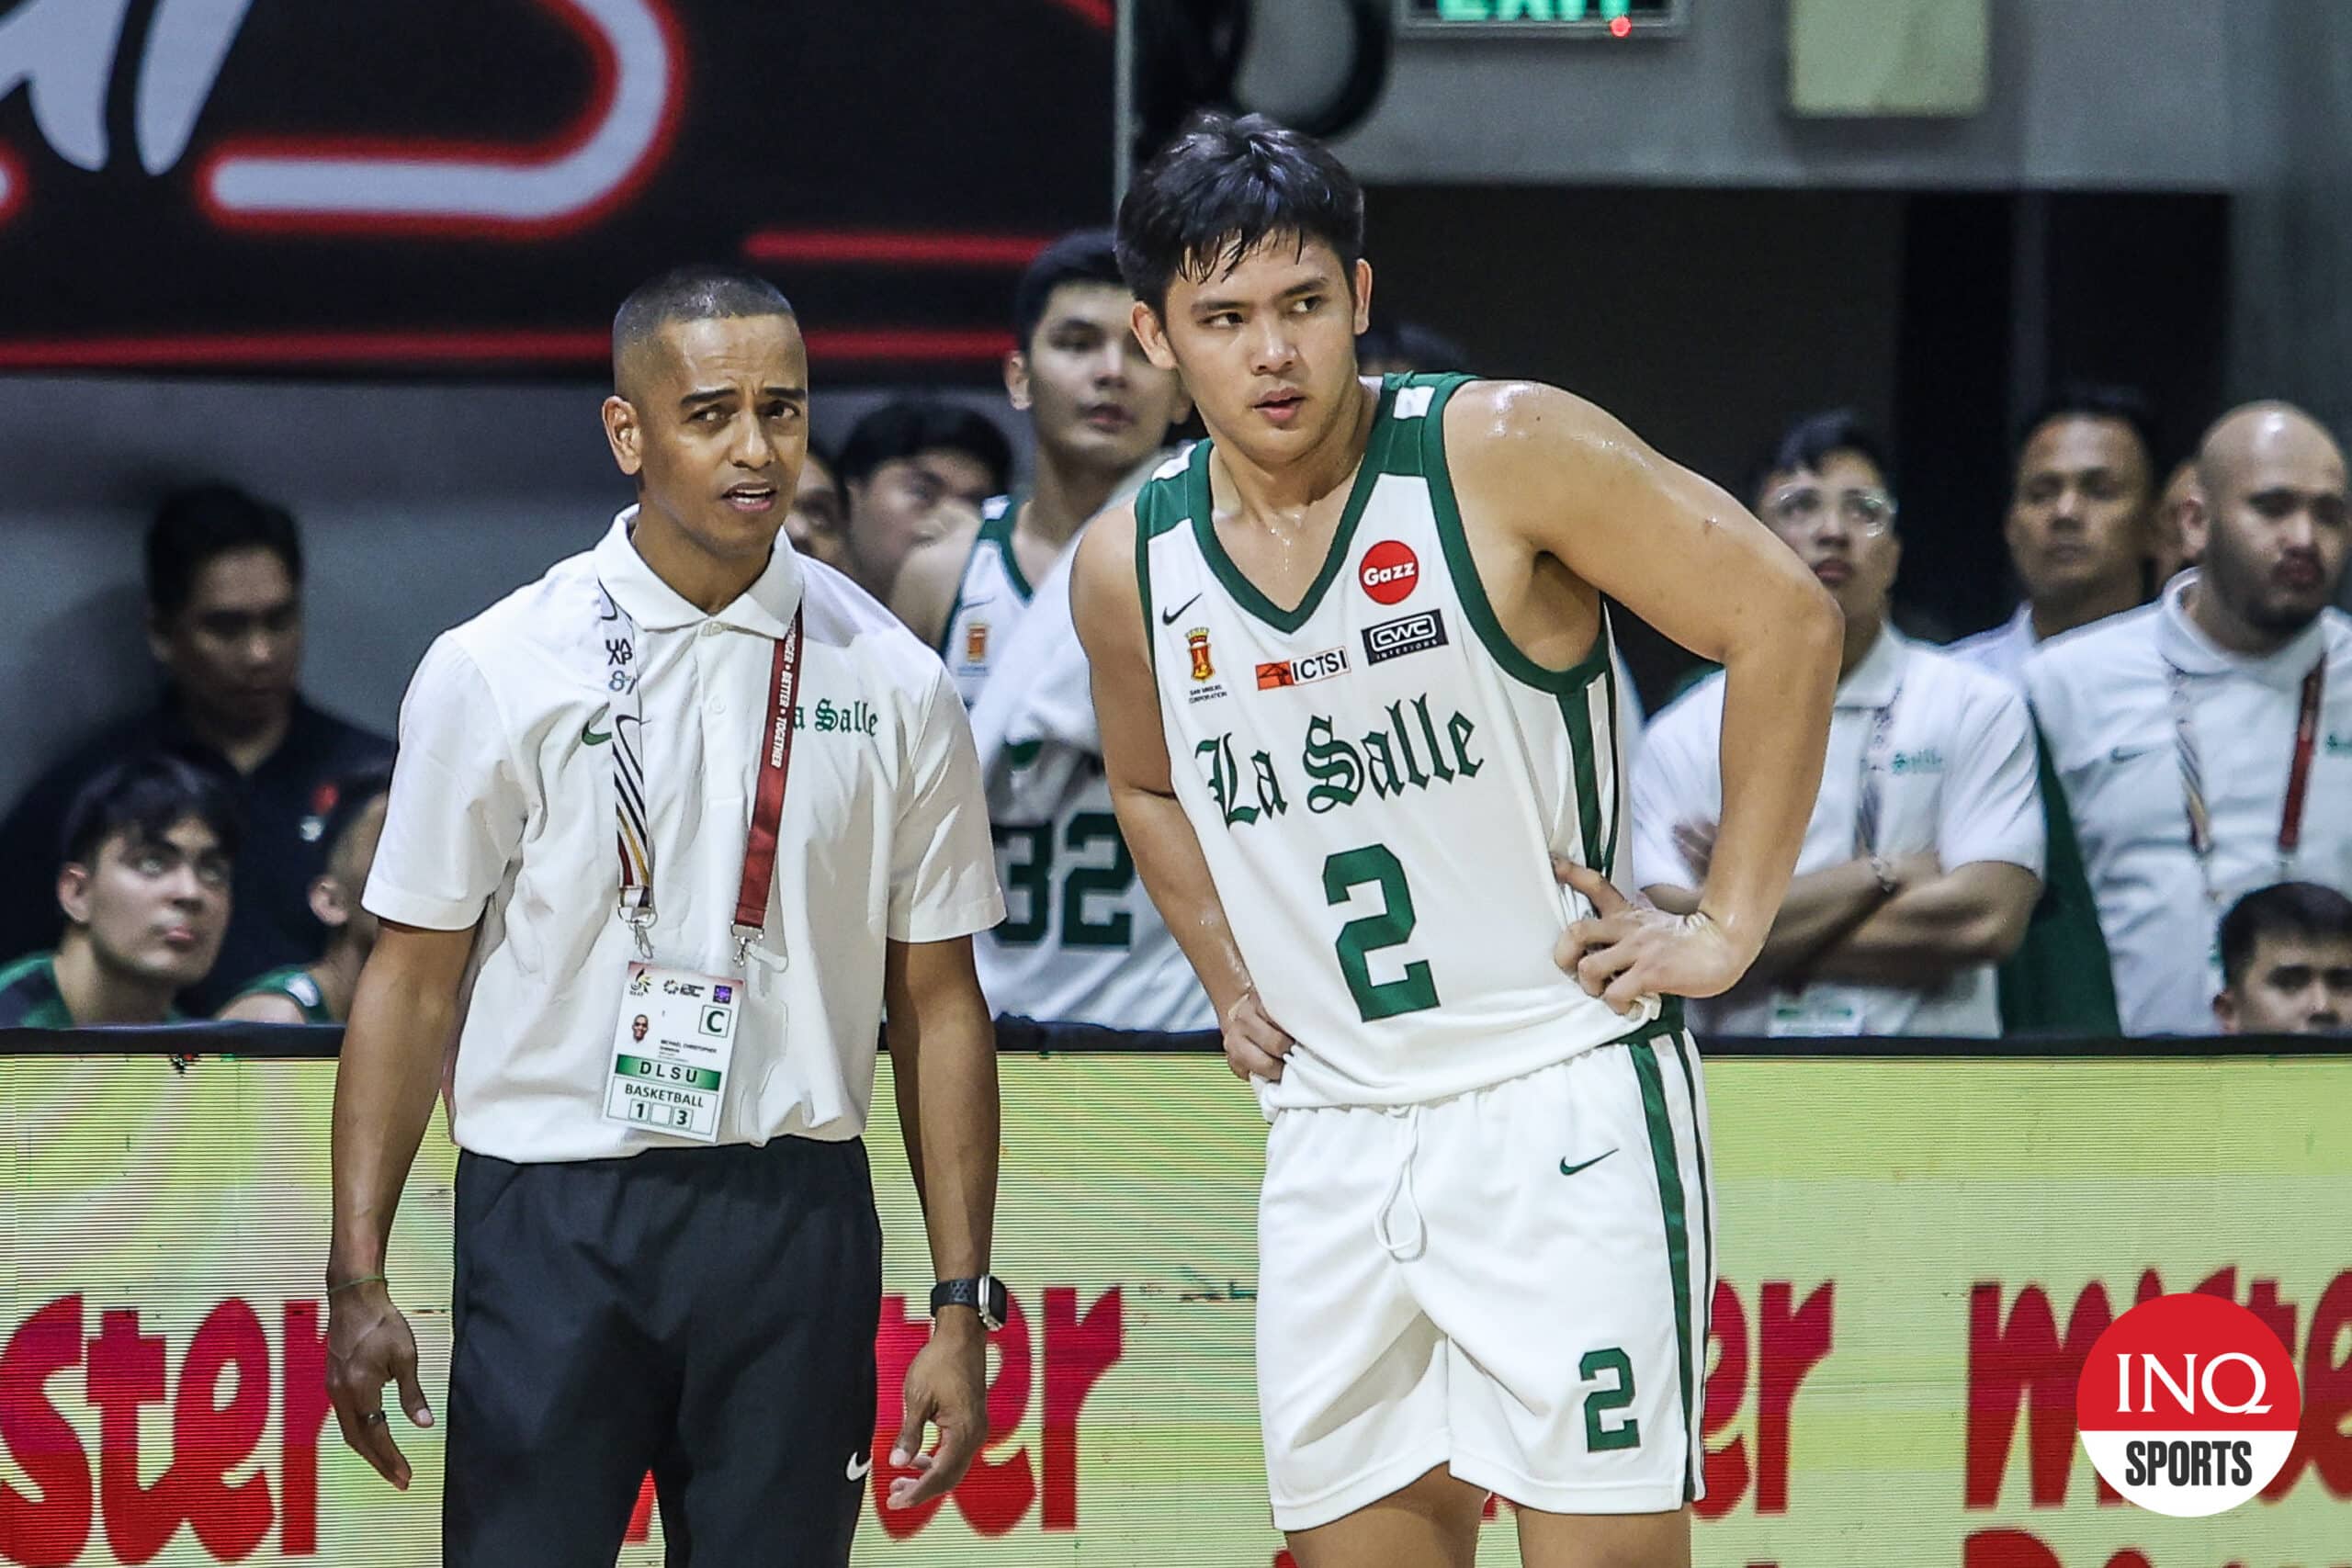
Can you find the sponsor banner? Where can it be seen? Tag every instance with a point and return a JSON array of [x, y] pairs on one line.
[[1916, 1257]]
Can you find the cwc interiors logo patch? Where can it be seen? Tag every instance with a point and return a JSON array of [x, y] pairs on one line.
[[1390, 572], [2187, 1405]]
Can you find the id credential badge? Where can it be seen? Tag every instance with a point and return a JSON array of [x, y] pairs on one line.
[[670, 1051], [674, 1038]]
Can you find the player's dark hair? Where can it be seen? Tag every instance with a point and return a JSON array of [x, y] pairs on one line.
[[829, 463], [193, 527], [2303, 909], [915, 425], [146, 796], [1807, 443], [1421, 348], [2097, 399], [1222, 187], [346, 798], [699, 292], [1088, 255]]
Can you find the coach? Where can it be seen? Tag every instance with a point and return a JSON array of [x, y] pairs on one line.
[[678, 920]]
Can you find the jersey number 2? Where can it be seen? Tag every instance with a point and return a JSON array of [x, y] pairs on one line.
[[1376, 864]]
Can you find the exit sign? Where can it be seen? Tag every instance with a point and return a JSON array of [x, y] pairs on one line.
[[1542, 18]]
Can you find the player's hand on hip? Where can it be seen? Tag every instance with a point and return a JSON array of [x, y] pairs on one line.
[[947, 1388], [1629, 951], [1254, 1043], [369, 1346]]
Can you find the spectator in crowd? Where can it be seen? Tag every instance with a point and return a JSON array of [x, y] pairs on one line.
[[1922, 857], [2080, 527], [149, 845], [818, 525], [224, 620], [320, 992], [2287, 962], [2175, 516], [1100, 413], [2205, 742], [911, 470], [1404, 348]]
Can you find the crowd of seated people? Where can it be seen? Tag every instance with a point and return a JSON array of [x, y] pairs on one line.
[[2120, 810]]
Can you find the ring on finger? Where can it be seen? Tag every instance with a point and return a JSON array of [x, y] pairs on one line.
[[369, 1417]]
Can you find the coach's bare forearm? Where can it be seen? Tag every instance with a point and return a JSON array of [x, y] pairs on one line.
[[402, 1019], [1973, 915], [1176, 874], [943, 1065]]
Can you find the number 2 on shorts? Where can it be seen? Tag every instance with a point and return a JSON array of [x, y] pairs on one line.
[[1359, 939]]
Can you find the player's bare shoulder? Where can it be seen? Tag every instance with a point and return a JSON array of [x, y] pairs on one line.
[[1104, 597], [1505, 432]]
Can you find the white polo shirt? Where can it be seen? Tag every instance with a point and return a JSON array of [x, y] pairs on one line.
[[2103, 698], [2003, 650], [502, 811], [1959, 783]]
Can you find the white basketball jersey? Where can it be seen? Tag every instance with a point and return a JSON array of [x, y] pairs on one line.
[[1080, 941], [990, 600], [1379, 779]]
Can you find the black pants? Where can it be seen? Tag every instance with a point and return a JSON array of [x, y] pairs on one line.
[[706, 1314]]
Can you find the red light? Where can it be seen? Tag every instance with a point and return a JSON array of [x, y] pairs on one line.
[[1620, 26]]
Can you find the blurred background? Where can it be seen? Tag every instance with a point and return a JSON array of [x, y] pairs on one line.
[[1930, 210]]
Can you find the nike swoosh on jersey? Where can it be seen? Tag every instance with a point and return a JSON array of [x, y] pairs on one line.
[[588, 736], [859, 1466], [2121, 754], [1168, 617], [1567, 1169]]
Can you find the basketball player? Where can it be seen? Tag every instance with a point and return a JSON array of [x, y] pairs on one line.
[[1100, 411], [1352, 672]]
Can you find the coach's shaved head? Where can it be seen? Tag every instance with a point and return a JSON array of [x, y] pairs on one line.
[[696, 293], [2269, 524]]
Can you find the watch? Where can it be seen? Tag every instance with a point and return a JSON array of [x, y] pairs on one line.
[[985, 1295]]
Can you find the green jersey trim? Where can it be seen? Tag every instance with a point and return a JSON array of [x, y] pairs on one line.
[[1244, 592], [33, 982], [1158, 510], [996, 529], [1466, 584], [296, 985]]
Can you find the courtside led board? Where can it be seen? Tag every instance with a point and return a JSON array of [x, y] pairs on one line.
[[1603, 19]]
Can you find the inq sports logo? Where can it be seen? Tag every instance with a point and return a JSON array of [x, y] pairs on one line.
[[2187, 1405]]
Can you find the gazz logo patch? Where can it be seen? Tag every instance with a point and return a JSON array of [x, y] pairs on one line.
[[1407, 634], [1323, 666]]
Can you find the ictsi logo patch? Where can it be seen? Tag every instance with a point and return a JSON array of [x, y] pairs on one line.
[[1303, 672], [1390, 572], [2188, 1404]]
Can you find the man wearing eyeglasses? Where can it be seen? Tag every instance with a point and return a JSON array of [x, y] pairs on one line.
[[1923, 858]]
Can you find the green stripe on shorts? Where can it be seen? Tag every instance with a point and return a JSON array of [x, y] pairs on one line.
[[1677, 1231]]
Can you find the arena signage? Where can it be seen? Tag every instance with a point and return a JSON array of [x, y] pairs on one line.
[[1917, 1259], [238, 184]]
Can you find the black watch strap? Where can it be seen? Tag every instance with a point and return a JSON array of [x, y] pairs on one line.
[[985, 1295]]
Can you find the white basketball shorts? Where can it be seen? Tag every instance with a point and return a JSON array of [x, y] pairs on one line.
[[1512, 1282]]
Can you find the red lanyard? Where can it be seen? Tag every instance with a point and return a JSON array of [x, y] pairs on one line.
[[2299, 772], [634, 820], [767, 801]]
